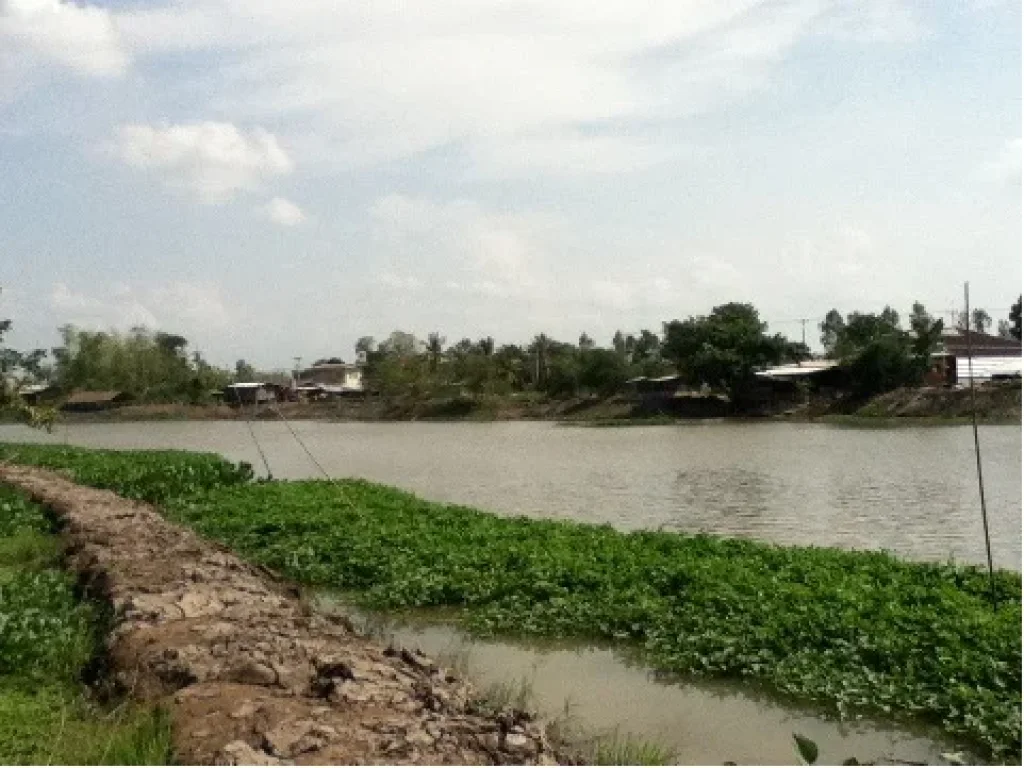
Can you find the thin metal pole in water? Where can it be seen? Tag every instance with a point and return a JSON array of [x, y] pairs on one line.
[[977, 445], [252, 434]]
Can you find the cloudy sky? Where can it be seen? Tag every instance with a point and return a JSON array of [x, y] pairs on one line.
[[275, 178]]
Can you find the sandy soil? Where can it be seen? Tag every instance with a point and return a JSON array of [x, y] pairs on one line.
[[248, 673]]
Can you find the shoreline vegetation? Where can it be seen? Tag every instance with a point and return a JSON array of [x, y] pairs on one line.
[[851, 632], [51, 647], [996, 404]]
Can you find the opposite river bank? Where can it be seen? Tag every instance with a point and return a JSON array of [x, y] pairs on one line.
[[995, 404]]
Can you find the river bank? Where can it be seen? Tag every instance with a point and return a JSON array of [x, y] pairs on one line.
[[851, 631], [998, 403], [247, 673]]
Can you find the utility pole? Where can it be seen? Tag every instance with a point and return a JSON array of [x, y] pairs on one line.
[[298, 367], [977, 451], [803, 330]]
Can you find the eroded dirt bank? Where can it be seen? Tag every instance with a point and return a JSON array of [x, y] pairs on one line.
[[248, 674]]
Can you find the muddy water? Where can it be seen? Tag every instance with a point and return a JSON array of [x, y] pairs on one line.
[[911, 490], [608, 691]]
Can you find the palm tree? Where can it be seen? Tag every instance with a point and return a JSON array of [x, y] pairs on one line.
[[435, 344], [541, 347]]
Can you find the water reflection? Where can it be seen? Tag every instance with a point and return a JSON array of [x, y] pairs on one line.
[[610, 688]]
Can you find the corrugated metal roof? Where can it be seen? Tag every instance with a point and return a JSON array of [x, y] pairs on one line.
[[796, 370], [104, 396], [989, 366]]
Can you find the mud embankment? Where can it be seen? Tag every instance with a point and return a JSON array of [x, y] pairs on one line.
[[374, 409], [247, 672], [998, 401]]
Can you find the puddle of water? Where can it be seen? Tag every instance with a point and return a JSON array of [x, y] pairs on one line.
[[607, 691]]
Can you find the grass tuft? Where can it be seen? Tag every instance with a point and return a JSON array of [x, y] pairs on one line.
[[627, 749]]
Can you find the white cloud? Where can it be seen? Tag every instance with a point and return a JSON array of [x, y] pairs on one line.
[[869, 21], [184, 307], [462, 246], [81, 38], [284, 212], [214, 160], [511, 83], [1004, 167], [566, 152]]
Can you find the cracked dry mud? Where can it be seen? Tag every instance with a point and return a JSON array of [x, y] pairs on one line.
[[248, 673]]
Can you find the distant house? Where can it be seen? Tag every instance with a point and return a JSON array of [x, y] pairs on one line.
[[249, 393], [669, 395], [98, 400], [347, 376], [993, 358], [36, 394]]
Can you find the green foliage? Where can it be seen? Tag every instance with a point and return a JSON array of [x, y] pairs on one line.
[[56, 725], [151, 366], [603, 371], [629, 750], [47, 636], [148, 475], [44, 630], [723, 349], [17, 514], [1015, 329], [878, 353], [808, 749], [856, 631]]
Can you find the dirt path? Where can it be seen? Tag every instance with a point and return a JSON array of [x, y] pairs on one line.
[[248, 674]]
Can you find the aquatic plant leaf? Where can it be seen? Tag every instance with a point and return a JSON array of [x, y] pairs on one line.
[[808, 749]]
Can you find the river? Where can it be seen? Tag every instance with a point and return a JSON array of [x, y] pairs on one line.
[[910, 490]]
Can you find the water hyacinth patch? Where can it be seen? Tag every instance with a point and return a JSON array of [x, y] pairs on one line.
[[858, 632], [147, 475]]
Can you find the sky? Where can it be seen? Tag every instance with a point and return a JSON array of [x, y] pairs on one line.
[[276, 179]]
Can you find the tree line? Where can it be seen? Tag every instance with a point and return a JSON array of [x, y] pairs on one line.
[[720, 351]]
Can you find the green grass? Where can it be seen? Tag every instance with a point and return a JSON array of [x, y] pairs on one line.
[[856, 632], [48, 636], [627, 749]]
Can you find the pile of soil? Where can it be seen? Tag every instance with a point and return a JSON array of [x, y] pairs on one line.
[[248, 673], [995, 401]]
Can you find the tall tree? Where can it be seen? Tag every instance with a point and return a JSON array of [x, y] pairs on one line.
[[831, 328], [723, 349], [486, 346], [401, 344], [619, 344], [244, 371], [364, 346], [1015, 319], [435, 346], [981, 321], [540, 347]]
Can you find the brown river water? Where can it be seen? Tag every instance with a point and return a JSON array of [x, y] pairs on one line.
[[911, 490]]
